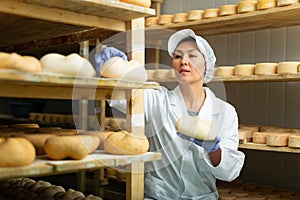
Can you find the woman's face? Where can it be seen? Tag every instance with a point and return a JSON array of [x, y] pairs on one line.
[[188, 62]]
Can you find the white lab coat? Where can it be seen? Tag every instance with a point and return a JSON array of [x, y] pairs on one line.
[[185, 170]]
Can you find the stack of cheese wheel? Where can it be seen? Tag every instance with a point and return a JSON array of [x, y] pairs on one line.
[[246, 6], [266, 4], [265, 68], [195, 15], [180, 17], [211, 13], [228, 10], [244, 70], [286, 2], [151, 21], [165, 19], [224, 71], [287, 67]]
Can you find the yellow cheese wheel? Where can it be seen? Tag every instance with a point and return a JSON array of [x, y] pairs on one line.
[[245, 133], [244, 70], [277, 139], [228, 10], [246, 6], [286, 2], [165, 19], [224, 71], [294, 141], [195, 127], [266, 4], [252, 127], [195, 15], [265, 128], [259, 137], [265, 68], [287, 67], [180, 17], [211, 13], [151, 21]]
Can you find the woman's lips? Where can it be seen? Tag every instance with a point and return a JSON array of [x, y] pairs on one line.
[[184, 71]]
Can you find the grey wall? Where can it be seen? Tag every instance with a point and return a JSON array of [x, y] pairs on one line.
[[273, 103]]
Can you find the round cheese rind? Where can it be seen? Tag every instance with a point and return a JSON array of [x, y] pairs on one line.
[[259, 137], [286, 2], [266, 4], [244, 70], [277, 139], [265, 68], [245, 133], [228, 10], [294, 141], [165, 19], [151, 21], [246, 6], [180, 17], [224, 71], [211, 13], [195, 15], [287, 67], [195, 127]]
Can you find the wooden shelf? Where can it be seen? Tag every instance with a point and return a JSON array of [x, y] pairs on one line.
[[251, 21], [264, 147], [18, 84], [59, 17], [42, 166]]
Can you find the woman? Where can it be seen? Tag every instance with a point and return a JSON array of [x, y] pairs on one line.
[[189, 167]]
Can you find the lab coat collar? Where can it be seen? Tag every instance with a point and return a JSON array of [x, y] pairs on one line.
[[210, 107]]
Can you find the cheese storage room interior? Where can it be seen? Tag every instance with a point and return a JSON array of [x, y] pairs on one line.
[[262, 103]]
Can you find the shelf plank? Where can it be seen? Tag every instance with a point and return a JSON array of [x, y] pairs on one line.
[[264, 147], [256, 20]]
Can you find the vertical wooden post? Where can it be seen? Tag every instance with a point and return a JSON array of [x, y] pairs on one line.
[[135, 181]]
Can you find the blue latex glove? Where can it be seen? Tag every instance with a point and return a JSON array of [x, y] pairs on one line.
[[208, 145], [106, 54]]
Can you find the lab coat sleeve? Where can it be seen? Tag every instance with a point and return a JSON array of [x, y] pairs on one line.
[[232, 159]]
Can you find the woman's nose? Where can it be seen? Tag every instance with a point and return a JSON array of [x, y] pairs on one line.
[[184, 60]]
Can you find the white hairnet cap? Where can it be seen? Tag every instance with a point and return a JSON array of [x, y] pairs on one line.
[[204, 47]]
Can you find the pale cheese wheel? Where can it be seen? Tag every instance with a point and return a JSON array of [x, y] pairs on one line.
[[253, 127], [266, 4], [259, 137], [265, 68], [294, 141], [265, 128], [230, 9], [195, 127], [227, 197], [246, 6], [72, 65], [244, 70], [286, 2], [224, 71], [245, 133], [180, 17], [165, 19], [211, 13], [280, 130], [143, 3], [195, 15], [277, 139], [118, 68], [287, 67], [151, 21]]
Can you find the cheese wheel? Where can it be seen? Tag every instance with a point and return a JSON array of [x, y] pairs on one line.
[[265, 68], [211, 13], [277, 139], [165, 19], [151, 73], [161, 74], [287, 67], [38, 141], [172, 74], [254, 128], [195, 127], [265, 128], [246, 6], [143, 3], [72, 65], [151, 21], [195, 15], [266, 4], [244, 70], [224, 71], [228, 10], [259, 137], [180, 17], [286, 2], [245, 133], [294, 141], [227, 197], [280, 130]]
